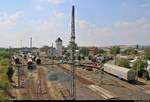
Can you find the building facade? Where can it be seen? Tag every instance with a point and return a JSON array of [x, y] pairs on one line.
[[93, 51]]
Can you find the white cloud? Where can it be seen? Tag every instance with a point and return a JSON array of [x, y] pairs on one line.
[[53, 23], [8, 21], [45, 32], [83, 24], [89, 34], [122, 32], [49, 29], [140, 23], [55, 1]]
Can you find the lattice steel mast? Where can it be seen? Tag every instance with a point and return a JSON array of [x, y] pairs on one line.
[[73, 83]]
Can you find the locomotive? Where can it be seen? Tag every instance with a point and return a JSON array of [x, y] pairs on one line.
[[30, 64], [17, 60], [38, 61]]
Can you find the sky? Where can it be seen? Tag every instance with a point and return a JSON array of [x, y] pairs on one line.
[[98, 22]]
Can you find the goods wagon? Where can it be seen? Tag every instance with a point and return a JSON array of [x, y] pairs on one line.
[[121, 72], [30, 64], [38, 61], [17, 60]]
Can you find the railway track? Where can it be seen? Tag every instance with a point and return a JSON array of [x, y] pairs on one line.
[[34, 84], [65, 93], [42, 89], [82, 77], [88, 83], [116, 83], [79, 76]]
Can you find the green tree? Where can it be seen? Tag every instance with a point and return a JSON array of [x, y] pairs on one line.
[[123, 62], [70, 46], [4, 54], [84, 51], [101, 51], [138, 67], [130, 51], [147, 53], [115, 50]]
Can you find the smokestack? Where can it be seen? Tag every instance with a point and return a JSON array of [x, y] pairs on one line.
[[31, 42]]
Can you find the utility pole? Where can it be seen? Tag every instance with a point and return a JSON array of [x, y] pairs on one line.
[[31, 44], [18, 67], [10, 54], [52, 57], [20, 43], [102, 73], [73, 83]]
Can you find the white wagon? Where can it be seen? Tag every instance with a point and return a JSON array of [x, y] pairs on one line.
[[121, 72]]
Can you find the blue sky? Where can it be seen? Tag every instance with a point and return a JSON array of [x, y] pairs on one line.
[[98, 22]]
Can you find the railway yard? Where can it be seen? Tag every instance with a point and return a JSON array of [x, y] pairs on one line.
[[53, 82], [98, 66]]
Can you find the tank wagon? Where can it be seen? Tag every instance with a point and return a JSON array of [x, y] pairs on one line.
[[120, 72], [38, 61], [30, 64], [17, 60]]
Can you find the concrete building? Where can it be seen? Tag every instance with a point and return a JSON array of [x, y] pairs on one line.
[[59, 47], [93, 51]]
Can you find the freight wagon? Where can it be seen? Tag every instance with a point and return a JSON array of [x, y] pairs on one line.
[[121, 72]]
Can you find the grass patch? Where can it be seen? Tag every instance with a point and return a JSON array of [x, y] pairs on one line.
[[5, 85], [4, 62]]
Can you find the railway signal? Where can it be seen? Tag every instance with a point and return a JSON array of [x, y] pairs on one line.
[[52, 56]]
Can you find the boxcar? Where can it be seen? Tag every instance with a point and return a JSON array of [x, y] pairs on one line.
[[121, 72]]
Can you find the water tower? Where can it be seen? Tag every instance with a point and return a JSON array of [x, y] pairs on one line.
[[59, 47]]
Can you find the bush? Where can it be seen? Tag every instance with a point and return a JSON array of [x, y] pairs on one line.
[[147, 53], [115, 50], [123, 63], [139, 66], [3, 96], [4, 85], [4, 82], [4, 54], [130, 51]]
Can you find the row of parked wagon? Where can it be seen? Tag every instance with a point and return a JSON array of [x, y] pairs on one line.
[[120, 72]]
